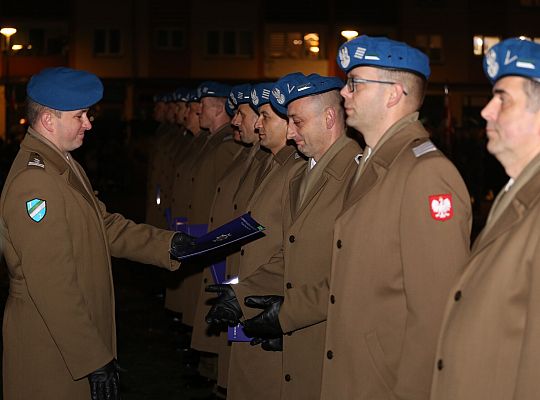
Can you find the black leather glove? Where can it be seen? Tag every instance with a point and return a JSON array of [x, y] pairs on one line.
[[180, 243], [105, 382], [275, 344], [226, 309], [266, 324]]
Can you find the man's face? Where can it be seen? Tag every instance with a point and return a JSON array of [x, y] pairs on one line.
[[192, 117], [513, 131], [244, 121], [208, 112], [68, 130], [307, 126], [170, 112], [180, 115], [272, 129], [159, 111], [366, 106]]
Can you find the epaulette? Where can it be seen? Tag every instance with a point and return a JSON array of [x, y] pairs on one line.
[[424, 148], [35, 160]]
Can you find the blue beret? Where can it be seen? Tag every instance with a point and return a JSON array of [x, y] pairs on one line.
[[214, 89], [382, 53], [239, 94], [296, 85], [193, 96], [65, 89], [260, 94], [513, 57], [181, 94]]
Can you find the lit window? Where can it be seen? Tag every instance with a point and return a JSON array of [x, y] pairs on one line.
[[431, 45], [107, 42], [481, 44], [229, 43], [295, 45]]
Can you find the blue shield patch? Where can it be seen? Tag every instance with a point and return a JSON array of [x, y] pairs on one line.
[[36, 209]]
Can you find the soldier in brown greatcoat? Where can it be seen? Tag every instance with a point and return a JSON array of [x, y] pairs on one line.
[[489, 345], [313, 200], [58, 239], [266, 207]]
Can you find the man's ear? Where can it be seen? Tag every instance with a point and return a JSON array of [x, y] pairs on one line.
[[330, 117], [396, 93], [46, 120]]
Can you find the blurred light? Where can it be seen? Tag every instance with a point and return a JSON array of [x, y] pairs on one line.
[[314, 49], [22, 121], [7, 32], [29, 47], [311, 36], [524, 38], [297, 42], [478, 44], [349, 34], [17, 47]]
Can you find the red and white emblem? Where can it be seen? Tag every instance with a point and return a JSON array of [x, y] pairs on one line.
[[441, 207]]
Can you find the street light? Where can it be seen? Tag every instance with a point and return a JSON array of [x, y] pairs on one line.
[[7, 32]]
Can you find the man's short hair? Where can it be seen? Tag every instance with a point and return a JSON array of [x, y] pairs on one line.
[[531, 88], [34, 110], [413, 84]]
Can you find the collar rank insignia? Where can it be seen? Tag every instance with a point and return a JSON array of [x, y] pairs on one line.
[[36, 209], [424, 148], [441, 207], [35, 160]]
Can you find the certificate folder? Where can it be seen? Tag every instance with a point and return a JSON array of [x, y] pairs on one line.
[[242, 229]]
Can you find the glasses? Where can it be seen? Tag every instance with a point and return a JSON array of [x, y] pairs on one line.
[[351, 83]]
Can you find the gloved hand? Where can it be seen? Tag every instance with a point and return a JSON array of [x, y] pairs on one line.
[[226, 309], [180, 243], [275, 344], [105, 382], [266, 324]]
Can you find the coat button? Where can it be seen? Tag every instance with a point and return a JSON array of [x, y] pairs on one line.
[[178, 175], [292, 238], [242, 252], [189, 206], [288, 378], [235, 207], [329, 354], [332, 299], [192, 179], [205, 280], [218, 189], [228, 276], [457, 296], [440, 364], [338, 244], [288, 285], [211, 219]]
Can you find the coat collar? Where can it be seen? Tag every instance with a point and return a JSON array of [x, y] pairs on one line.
[[522, 202], [382, 159]]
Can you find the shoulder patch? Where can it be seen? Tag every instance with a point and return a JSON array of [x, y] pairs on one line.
[[35, 160], [36, 209], [424, 148]]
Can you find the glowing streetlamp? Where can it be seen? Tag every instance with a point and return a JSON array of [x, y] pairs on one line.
[[349, 34]]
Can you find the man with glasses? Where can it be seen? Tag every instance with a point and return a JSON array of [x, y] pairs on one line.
[[401, 238]]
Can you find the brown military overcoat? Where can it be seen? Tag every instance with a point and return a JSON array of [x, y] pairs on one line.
[[253, 372], [399, 243], [489, 345], [59, 323], [305, 260]]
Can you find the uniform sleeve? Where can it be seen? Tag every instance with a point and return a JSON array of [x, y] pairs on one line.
[[434, 249], [138, 242], [267, 280], [49, 267], [527, 383], [304, 306]]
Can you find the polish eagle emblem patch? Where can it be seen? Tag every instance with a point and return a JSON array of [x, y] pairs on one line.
[[441, 207]]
